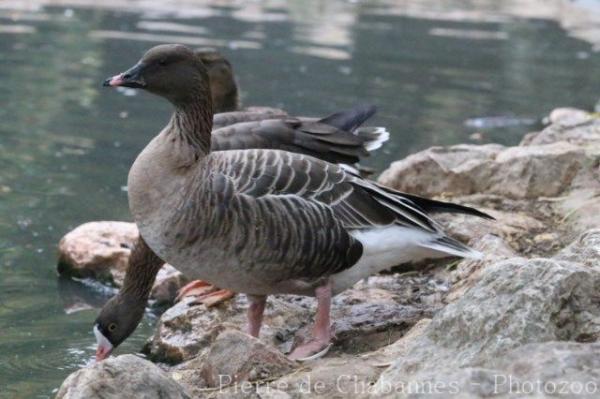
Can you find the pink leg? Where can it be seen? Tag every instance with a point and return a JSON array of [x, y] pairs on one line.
[[321, 335], [255, 313]]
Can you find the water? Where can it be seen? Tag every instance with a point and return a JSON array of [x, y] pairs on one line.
[[66, 144]]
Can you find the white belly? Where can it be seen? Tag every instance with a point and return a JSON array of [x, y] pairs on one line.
[[387, 247]]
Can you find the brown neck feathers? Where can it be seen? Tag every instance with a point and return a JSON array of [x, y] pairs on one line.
[[144, 264], [191, 123]]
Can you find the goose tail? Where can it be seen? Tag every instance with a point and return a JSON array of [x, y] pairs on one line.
[[374, 137], [351, 121], [450, 246]]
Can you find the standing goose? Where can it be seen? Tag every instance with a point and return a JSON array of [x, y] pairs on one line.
[[257, 221], [338, 138], [326, 138]]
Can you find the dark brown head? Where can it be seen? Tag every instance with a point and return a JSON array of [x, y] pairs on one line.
[[172, 71], [117, 320], [223, 87]]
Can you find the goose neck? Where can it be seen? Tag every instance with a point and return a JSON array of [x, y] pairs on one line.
[[191, 125]]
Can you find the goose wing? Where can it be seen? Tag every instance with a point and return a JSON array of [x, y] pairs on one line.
[[356, 203], [292, 134], [252, 114], [292, 212]]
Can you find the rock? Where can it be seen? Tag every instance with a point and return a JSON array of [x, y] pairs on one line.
[[269, 393], [516, 302], [367, 318], [398, 348], [235, 357], [546, 370], [98, 250], [453, 170], [516, 172], [580, 209], [342, 377], [568, 124], [125, 376], [535, 171], [468, 271], [101, 250], [167, 285], [569, 116], [584, 250]]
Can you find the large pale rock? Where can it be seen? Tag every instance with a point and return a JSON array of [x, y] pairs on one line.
[[581, 208], [98, 250], [468, 271], [541, 370], [584, 250], [122, 377], [240, 357], [451, 170], [515, 302], [568, 124], [515, 172], [569, 117], [342, 377], [233, 358], [534, 171], [101, 250]]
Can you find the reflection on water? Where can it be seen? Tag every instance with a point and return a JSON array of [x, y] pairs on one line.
[[440, 72]]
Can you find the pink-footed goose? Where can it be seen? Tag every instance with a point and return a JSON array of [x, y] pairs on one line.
[[338, 138], [256, 221]]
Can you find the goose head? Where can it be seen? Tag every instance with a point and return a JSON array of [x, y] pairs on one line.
[[117, 320], [223, 87], [172, 71]]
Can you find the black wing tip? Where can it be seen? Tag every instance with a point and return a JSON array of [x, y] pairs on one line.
[[366, 111], [370, 109], [433, 206], [487, 216], [477, 212], [350, 118]]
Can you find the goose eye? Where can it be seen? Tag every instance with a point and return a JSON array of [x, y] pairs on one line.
[[162, 62], [112, 327]]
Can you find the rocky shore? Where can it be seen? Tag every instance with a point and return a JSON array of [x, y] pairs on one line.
[[522, 322]]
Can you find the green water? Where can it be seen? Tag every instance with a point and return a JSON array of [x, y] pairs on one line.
[[66, 143]]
